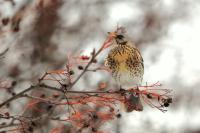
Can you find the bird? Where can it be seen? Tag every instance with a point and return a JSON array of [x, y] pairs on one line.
[[127, 67]]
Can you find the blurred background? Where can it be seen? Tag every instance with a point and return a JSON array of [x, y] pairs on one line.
[[37, 36]]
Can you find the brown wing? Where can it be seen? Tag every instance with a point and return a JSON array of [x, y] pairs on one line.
[[138, 57], [110, 61]]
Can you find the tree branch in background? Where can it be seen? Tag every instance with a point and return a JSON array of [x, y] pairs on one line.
[[3, 53]]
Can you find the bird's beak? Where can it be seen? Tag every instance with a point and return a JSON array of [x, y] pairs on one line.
[[112, 34]]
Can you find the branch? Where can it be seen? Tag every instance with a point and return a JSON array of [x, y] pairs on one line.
[[4, 52], [94, 55], [17, 95]]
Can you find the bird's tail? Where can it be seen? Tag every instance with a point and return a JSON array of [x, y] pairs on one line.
[[133, 102]]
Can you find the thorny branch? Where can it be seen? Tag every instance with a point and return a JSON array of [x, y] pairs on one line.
[[104, 98]]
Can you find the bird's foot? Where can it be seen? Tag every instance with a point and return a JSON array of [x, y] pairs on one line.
[[122, 90]]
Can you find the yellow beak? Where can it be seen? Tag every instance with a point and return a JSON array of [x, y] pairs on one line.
[[112, 34]]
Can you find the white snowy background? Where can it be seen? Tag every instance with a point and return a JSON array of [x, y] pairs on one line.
[[170, 48]]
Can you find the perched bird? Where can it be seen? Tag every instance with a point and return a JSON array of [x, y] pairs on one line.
[[126, 64]]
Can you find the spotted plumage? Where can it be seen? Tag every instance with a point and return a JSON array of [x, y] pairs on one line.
[[126, 64]]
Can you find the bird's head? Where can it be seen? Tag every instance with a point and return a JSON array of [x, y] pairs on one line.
[[119, 38]]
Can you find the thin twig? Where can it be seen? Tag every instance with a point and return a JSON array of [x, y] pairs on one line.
[[17, 95], [4, 52], [89, 63]]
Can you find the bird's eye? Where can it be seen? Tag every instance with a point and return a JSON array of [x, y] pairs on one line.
[[120, 36]]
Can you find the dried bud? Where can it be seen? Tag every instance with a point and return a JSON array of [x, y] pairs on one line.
[[13, 93], [14, 83], [80, 67], [95, 116], [169, 100], [33, 124], [149, 96], [166, 104], [42, 95], [86, 125], [94, 129], [112, 109], [56, 95], [119, 115], [30, 129], [16, 25], [65, 85], [7, 114], [94, 61], [5, 21], [71, 72], [16, 28], [49, 107]]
